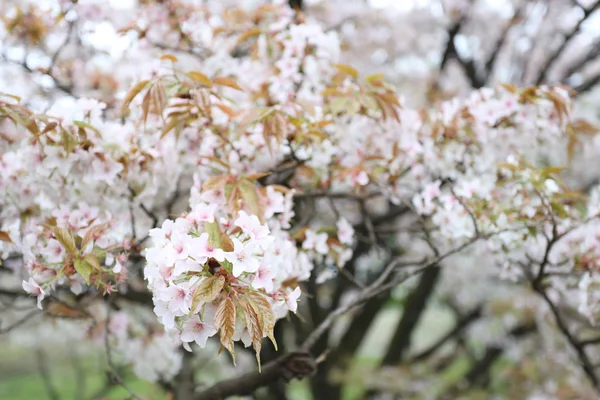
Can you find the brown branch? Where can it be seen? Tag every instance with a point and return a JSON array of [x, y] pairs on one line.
[[567, 39], [582, 62], [292, 365], [578, 346], [450, 52], [460, 326], [479, 372], [587, 85], [20, 322], [415, 306], [489, 64]]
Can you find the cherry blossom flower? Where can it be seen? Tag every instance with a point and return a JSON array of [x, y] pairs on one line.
[[251, 226], [291, 300], [34, 289], [242, 258], [202, 248], [315, 241], [194, 330], [345, 231]]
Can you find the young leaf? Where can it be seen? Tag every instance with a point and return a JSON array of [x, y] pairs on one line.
[[92, 233], [5, 237], [169, 57], [248, 34], [264, 310], [214, 233], [225, 324], [84, 269], [254, 324], [227, 82], [65, 238], [93, 261], [251, 197], [200, 78], [130, 95], [207, 291], [347, 70]]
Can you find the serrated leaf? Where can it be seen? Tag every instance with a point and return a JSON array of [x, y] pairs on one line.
[[93, 261], [214, 182], [265, 311], [214, 233], [130, 95], [207, 291], [65, 238], [159, 98], [200, 78], [84, 269], [347, 70], [254, 324], [225, 324], [5, 237], [224, 81], [251, 198]]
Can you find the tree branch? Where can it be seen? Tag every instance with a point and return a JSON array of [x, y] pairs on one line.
[[460, 326], [416, 304], [568, 37]]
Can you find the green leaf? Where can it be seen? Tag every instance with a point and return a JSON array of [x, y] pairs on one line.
[[347, 70], [93, 261], [84, 269], [214, 233], [559, 209], [208, 290]]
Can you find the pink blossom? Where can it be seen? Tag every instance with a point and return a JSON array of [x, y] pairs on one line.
[[202, 248], [345, 231], [194, 330], [263, 279], [242, 258], [251, 226], [315, 241], [34, 289]]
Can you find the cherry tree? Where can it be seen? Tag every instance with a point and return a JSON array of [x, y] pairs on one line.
[[183, 178]]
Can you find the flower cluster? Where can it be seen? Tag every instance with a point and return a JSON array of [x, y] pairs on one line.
[[76, 248], [209, 263]]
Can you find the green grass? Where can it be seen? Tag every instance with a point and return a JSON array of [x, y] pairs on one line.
[[72, 376]]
